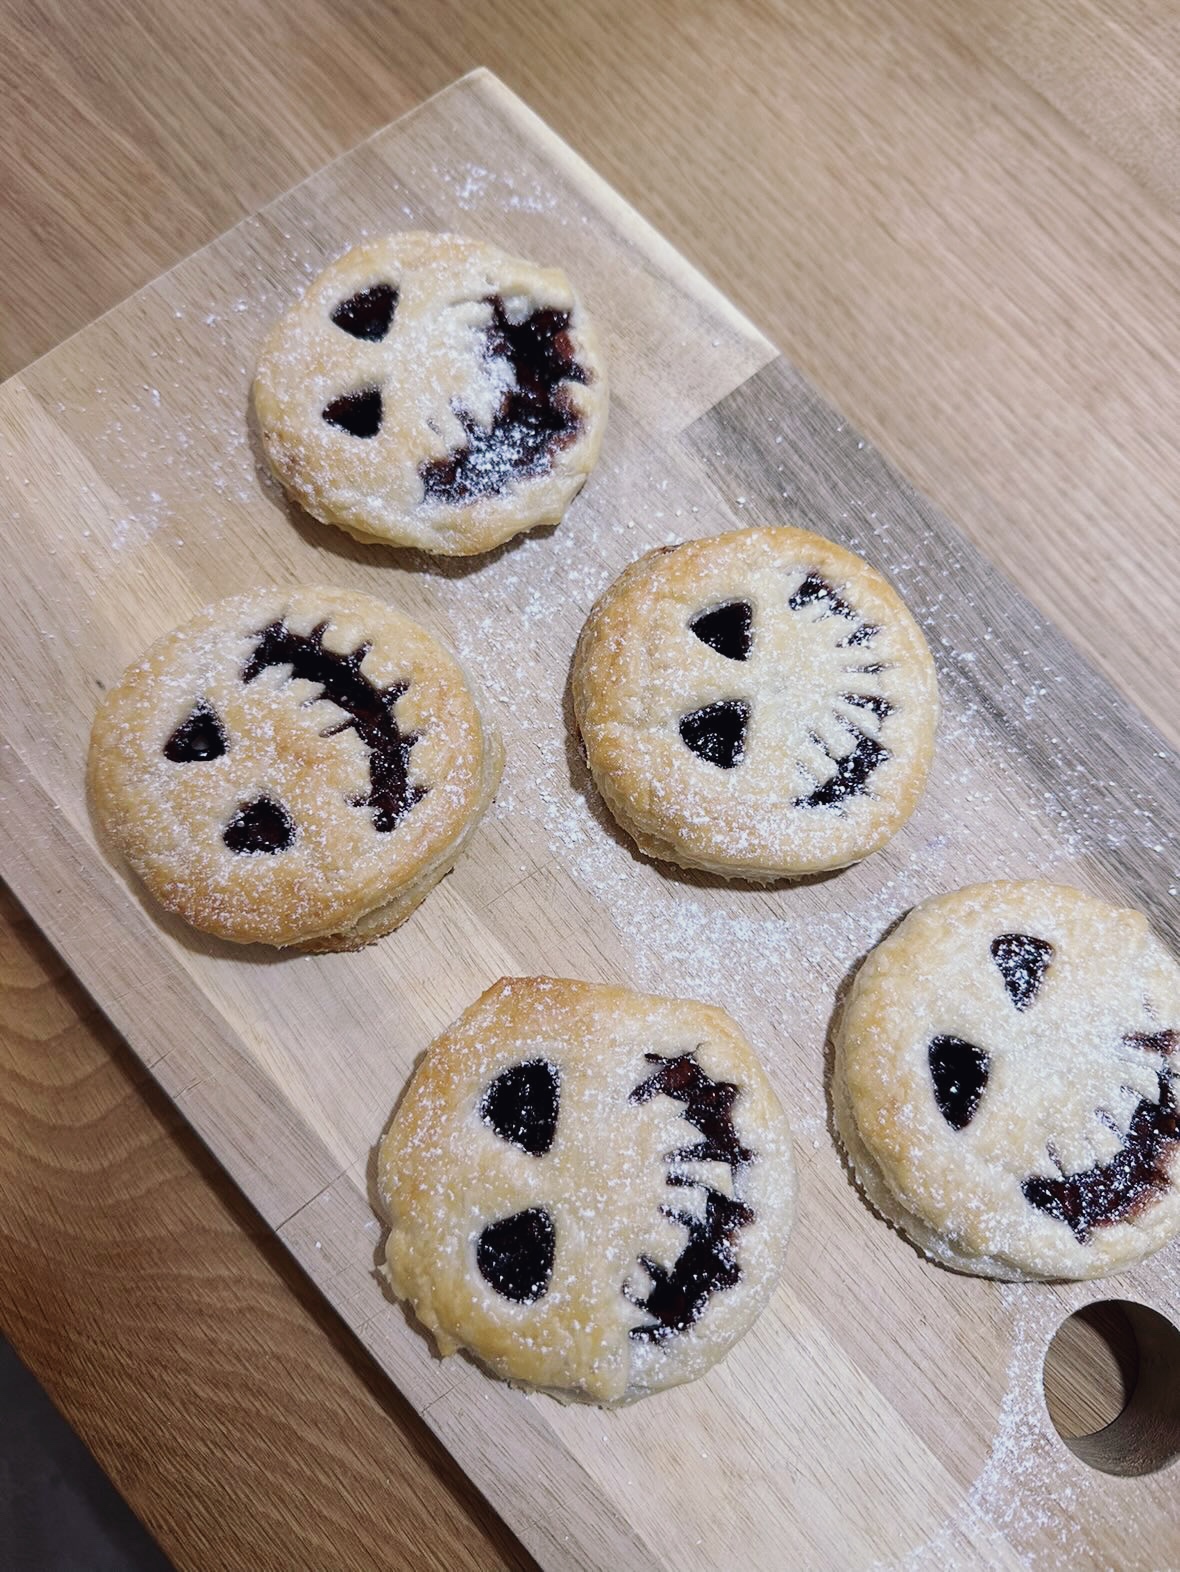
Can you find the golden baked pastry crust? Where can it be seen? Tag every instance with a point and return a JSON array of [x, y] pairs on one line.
[[367, 839], [837, 675], [1049, 1145], [443, 368], [602, 1172]]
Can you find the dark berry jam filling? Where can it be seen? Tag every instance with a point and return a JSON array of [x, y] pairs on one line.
[[260, 826], [851, 775], [708, 1263], [359, 414], [535, 418], [199, 738], [368, 313], [717, 733], [368, 707], [515, 1255], [1023, 961], [521, 1106], [959, 1071], [728, 629]]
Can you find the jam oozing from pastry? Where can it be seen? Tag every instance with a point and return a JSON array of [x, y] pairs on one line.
[[368, 313], [717, 733], [1023, 961], [708, 1262], [728, 629], [959, 1072], [357, 413], [262, 826], [515, 1255], [521, 1105], [534, 420], [198, 738], [850, 777], [370, 712], [1116, 1190]]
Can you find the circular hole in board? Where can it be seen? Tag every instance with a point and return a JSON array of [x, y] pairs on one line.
[[1112, 1386]]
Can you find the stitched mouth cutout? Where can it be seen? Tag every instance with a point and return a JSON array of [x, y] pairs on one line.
[[1106, 1192], [708, 1263], [851, 775], [535, 418], [1117, 1190], [717, 732], [370, 712]]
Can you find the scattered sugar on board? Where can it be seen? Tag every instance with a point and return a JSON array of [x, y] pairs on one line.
[[1031, 1488], [727, 943], [683, 938]]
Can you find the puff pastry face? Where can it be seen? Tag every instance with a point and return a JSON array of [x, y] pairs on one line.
[[1005, 1082], [295, 767], [433, 391], [757, 704], [589, 1189]]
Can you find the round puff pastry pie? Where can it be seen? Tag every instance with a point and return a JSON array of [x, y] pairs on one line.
[[589, 1189], [1005, 1082], [297, 767], [757, 704], [433, 391]]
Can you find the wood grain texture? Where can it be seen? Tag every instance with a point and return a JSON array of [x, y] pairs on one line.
[[880, 1406], [842, 178], [958, 221], [230, 1408]]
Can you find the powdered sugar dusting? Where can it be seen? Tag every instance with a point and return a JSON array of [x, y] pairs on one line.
[[554, 887], [604, 1175]]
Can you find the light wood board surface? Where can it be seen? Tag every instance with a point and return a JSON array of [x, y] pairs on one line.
[[232, 1407], [858, 164], [905, 1421]]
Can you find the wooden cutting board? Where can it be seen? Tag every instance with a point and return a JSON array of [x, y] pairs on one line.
[[882, 1411]]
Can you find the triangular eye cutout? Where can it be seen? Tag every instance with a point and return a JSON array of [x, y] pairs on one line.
[[521, 1106], [368, 313], [357, 413], [728, 629], [260, 826], [515, 1255], [197, 739], [959, 1071], [717, 733], [1023, 961]]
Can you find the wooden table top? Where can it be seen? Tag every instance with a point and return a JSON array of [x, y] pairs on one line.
[[960, 222]]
